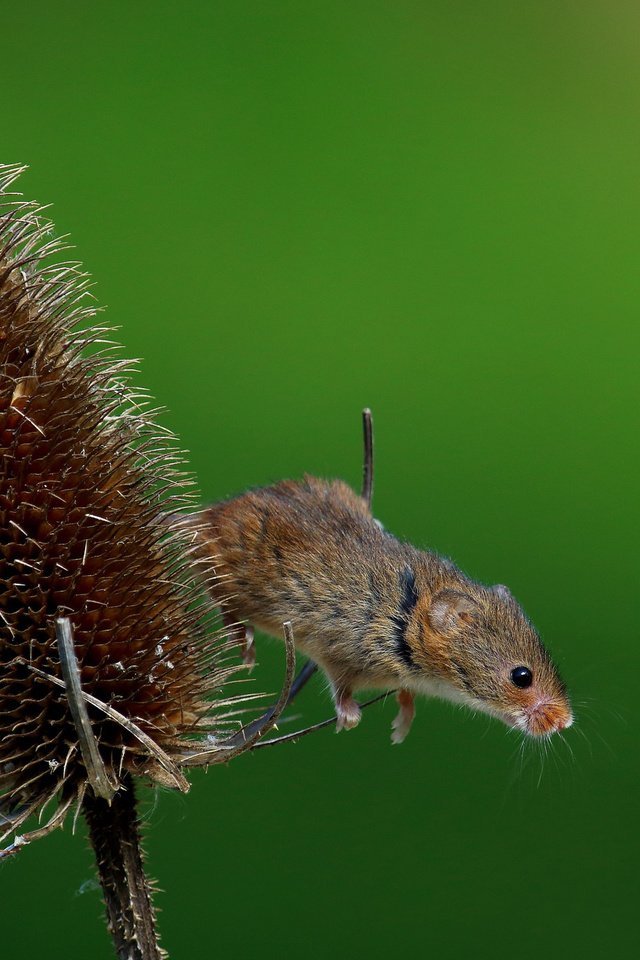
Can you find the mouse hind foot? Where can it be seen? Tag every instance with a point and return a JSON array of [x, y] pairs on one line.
[[348, 711], [404, 718]]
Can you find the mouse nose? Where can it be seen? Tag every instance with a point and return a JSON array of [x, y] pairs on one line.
[[548, 717], [564, 722]]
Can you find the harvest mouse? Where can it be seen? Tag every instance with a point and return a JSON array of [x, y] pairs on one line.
[[373, 611]]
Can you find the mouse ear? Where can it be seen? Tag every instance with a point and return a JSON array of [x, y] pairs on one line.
[[501, 591], [451, 610]]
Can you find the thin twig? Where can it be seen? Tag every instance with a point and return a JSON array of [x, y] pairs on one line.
[[244, 740], [316, 726], [94, 765], [13, 823], [367, 468], [21, 840], [306, 672]]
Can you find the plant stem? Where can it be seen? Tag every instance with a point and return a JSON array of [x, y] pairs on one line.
[[113, 829]]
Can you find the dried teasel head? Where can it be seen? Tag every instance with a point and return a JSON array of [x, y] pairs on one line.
[[91, 494]]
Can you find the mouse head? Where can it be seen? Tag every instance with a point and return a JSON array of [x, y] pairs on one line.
[[490, 657]]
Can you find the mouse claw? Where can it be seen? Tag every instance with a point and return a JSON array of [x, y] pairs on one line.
[[242, 634], [348, 712], [404, 718], [248, 647]]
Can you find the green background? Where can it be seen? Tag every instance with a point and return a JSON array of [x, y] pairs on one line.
[[296, 209]]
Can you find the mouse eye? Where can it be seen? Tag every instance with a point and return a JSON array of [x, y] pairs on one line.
[[521, 677]]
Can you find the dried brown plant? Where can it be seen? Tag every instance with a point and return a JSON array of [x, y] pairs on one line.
[[111, 666]]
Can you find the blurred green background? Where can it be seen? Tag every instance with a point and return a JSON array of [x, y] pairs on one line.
[[296, 209]]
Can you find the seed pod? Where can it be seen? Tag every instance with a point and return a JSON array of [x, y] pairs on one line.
[[91, 497]]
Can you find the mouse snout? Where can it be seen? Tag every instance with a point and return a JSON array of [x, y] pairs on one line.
[[546, 717]]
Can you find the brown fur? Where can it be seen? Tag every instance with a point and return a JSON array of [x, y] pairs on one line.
[[373, 611]]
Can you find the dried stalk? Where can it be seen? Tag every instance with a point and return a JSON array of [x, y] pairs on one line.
[[96, 771], [113, 828]]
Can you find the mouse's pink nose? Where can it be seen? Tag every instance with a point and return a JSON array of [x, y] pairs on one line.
[[564, 722], [550, 717]]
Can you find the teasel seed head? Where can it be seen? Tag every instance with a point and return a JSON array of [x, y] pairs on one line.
[[92, 492]]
